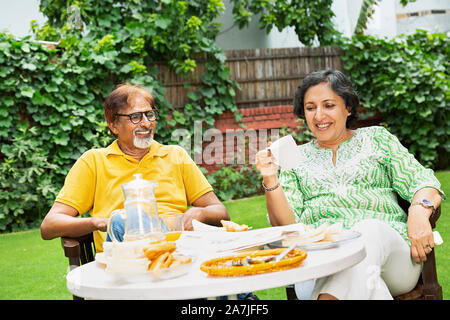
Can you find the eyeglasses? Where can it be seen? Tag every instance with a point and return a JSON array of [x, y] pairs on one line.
[[136, 117]]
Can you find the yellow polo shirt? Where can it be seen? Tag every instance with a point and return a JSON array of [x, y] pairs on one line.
[[94, 182]]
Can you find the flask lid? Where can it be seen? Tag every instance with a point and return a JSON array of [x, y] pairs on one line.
[[139, 183]]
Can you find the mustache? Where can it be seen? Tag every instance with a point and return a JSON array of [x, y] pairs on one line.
[[137, 130]]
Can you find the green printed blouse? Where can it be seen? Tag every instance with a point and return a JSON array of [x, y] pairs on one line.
[[370, 168]]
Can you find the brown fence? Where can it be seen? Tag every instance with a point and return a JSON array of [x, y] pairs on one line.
[[268, 77]]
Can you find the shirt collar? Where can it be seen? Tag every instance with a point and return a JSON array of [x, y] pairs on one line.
[[156, 149]]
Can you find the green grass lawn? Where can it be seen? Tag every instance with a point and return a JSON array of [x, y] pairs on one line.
[[31, 268]]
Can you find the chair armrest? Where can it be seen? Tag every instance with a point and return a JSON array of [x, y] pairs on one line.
[[431, 287], [71, 247], [434, 217]]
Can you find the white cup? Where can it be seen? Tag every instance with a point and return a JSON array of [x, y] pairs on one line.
[[286, 152]]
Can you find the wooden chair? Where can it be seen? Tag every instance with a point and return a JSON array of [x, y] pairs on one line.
[[79, 250], [427, 287]]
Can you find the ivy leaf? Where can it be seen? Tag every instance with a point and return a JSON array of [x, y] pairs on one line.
[[65, 124], [27, 92], [25, 47], [5, 71], [179, 117], [208, 92], [5, 47], [193, 95], [136, 28], [29, 66], [51, 87], [99, 58], [419, 99], [61, 139], [126, 68], [162, 22], [37, 98], [8, 101], [224, 74], [3, 111], [424, 113]]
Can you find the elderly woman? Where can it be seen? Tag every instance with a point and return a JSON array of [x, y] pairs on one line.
[[352, 177]]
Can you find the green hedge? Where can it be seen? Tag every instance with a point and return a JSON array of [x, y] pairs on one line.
[[50, 113], [51, 106], [407, 80]]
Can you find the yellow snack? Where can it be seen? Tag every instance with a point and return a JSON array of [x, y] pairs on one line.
[[239, 265]]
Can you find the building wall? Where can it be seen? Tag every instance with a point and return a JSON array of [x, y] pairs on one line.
[[15, 16], [385, 22], [427, 15]]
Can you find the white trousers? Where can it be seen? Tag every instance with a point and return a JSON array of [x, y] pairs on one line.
[[388, 269]]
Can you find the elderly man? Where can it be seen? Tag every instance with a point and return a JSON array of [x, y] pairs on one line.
[[94, 182]]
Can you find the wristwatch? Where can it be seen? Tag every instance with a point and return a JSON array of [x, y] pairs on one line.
[[426, 204]]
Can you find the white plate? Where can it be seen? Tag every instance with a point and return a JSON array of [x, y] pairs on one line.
[[100, 258], [346, 236], [171, 273], [162, 274]]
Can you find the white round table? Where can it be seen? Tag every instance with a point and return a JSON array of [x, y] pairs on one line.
[[91, 280]]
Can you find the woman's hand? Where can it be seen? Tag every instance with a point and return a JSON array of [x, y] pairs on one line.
[[265, 163], [420, 233]]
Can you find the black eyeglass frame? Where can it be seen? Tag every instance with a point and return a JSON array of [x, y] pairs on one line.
[[153, 117]]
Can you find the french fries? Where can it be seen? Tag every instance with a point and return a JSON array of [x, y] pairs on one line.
[[155, 250], [162, 256], [159, 262]]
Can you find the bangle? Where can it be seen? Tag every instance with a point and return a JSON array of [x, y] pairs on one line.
[[269, 189]]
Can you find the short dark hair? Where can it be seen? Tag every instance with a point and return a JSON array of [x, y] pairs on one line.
[[122, 95], [338, 83]]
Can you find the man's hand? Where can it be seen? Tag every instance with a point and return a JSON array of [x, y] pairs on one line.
[[99, 223], [207, 209]]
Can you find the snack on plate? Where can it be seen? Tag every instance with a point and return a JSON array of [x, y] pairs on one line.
[[179, 259], [154, 250], [310, 235], [231, 226], [161, 256], [260, 261]]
